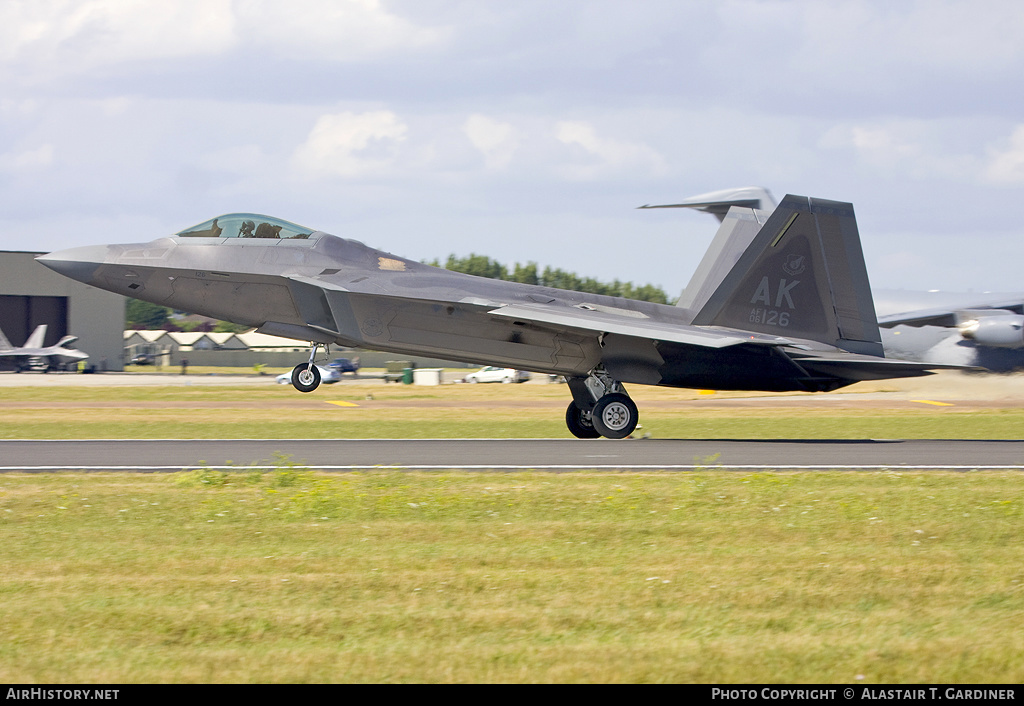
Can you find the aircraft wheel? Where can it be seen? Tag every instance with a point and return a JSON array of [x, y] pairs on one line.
[[305, 378], [579, 423], [615, 416]]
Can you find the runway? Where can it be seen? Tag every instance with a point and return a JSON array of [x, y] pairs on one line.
[[513, 454]]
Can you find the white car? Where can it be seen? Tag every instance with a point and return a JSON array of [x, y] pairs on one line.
[[327, 376], [493, 374]]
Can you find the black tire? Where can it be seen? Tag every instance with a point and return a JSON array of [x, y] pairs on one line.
[[615, 416], [579, 424], [305, 377]]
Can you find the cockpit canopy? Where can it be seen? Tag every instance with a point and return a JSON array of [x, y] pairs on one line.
[[247, 225]]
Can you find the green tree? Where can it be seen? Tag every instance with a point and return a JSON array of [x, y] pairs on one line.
[[478, 265], [228, 327], [483, 266], [140, 314], [525, 274]]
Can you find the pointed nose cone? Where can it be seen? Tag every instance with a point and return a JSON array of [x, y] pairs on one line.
[[77, 263]]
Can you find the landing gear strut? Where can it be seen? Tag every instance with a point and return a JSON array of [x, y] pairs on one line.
[[306, 376], [600, 407]]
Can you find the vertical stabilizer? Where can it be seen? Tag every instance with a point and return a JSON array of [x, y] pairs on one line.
[[5, 345], [803, 276], [37, 337], [738, 228]]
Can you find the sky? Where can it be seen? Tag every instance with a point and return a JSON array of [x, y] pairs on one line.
[[525, 131]]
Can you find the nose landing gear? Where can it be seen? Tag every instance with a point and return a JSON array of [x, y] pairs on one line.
[[600, 407], [306, 376]]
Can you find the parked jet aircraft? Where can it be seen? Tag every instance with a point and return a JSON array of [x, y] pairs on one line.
[[955, 328], [789, 309], [35, 356]]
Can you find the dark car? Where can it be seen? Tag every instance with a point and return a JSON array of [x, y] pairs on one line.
[[344, 365]]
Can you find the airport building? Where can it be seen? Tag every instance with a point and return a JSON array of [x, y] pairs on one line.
[[169, 348], [31, 294]]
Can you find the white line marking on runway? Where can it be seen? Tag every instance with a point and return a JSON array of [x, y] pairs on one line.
[[577, 466]]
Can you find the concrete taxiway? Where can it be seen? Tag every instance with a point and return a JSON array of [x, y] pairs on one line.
[[513, 454]]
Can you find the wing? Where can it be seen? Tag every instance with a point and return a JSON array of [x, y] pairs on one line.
[[718, 203], [647, 351], [953, 311], [628, 323]]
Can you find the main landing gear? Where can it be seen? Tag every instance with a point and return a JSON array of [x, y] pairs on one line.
[[600, 407], [306, 376]]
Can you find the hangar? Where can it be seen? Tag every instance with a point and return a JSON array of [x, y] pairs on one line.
[[31, 294]]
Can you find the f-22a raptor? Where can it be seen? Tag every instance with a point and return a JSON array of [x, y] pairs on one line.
[[789, 309], [35, 356]]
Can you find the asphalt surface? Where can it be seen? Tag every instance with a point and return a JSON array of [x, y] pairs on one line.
[[513, 454], [946, 389]]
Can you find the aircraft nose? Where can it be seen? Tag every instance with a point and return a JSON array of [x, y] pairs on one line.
[[77, 263]]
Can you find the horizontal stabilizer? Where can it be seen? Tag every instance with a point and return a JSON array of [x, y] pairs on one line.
[[733, 237], [859, 368]]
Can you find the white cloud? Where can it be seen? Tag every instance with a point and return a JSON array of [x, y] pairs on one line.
[[921, 149], [76, 35], [867, 40], [179, 110], [601, 155], [351, 145], [39, 158], [880, 145], [497, 141], [52, 38], [338, 30], [1007, 166]]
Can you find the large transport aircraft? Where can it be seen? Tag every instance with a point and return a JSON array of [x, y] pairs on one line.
[[776, 304], [981, 330], [35, 356]]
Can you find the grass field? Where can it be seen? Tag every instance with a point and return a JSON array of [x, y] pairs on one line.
[[291, 576], [455, 411], [294, 576]]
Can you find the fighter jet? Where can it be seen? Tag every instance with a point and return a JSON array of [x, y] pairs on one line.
[[786, 309], [984, 331], [35, 356]]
